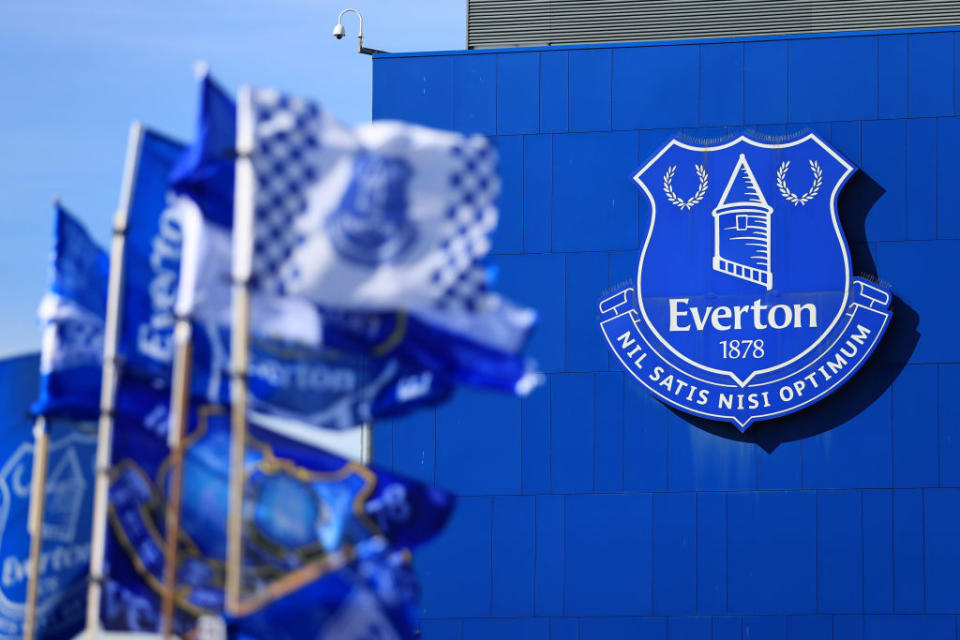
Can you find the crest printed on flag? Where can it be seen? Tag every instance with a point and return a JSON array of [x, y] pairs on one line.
[[65, 550], [66, 529], [468, 335], [302, 504], [384, 216], [745, 306]]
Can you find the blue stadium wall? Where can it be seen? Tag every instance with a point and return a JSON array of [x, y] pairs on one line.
[[591, 511]]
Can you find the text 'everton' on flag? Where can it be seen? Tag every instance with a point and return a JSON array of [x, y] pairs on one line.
[[151, 260], [65, 527], [333, 389]]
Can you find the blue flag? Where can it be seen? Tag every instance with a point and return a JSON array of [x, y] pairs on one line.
[[302, 505], [72, 316], [205, 172], [335, 389], [151, 260], [372, 594], [65, 554]]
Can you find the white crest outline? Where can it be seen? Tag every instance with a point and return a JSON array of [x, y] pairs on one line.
[[10, 608], [835, 220]]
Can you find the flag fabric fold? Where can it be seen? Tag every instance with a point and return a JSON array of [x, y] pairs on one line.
[[72, 315], [372, 594], [204, 172]]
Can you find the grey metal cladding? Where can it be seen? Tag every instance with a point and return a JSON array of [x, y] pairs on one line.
[[509, 23]]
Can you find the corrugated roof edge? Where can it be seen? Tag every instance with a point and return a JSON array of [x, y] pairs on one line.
[[661, 43]]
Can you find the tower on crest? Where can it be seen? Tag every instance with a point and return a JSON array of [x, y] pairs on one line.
[[741, 245]]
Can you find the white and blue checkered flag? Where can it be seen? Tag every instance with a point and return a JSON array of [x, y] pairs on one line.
[[382, 216], [373, 277]]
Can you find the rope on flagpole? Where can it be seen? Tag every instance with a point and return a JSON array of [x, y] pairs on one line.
[[179, 402], [243, 229], [38, 490], [108, 391]]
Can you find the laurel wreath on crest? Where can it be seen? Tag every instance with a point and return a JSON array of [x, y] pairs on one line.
[[811, 192], [693, 200]]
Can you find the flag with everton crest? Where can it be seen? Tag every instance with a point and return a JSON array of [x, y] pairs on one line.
[[303, 507], [293, 372], [388, 215], [68, 397], [65, 550], [335, 390], [406, 196]]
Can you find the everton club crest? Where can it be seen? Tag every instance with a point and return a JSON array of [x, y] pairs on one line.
[[745, 306]]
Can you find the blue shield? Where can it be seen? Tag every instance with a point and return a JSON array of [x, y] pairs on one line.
[[66, 531], [724, 281], [745, 305], [371, 225]]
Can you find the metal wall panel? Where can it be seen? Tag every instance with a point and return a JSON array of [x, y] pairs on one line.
[[591, 510], [509, 23]]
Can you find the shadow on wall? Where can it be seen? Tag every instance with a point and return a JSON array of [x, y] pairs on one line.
[[877, 374]]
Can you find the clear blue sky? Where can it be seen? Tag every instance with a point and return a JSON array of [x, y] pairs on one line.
[[73, 75]]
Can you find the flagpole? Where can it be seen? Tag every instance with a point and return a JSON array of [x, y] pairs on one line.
[[238, 443], [38, 486], [38, 495], [243, 229], [179, 401], [366, 443], [108, 390]]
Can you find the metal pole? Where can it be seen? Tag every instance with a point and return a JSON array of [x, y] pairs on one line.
[[366, 443], [38, 495], [108, 391], [238, 445], [179, 402], [243, 229]]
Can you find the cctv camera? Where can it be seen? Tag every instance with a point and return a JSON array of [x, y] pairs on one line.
[[339, 31]]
